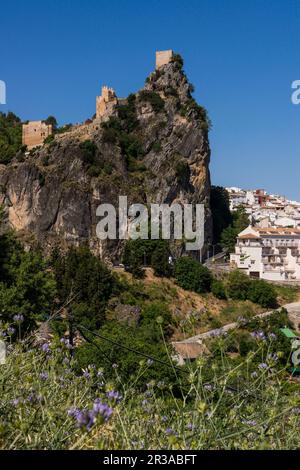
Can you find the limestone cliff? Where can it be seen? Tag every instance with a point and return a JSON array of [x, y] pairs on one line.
[[153, 148]]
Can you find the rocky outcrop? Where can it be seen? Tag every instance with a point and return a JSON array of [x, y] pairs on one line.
[[154, 149]]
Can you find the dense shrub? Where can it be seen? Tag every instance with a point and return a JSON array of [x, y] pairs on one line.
[[177, 58], [160, 259], [238, 285], [191, 275], [182, 171], [88, 151], [241, 287], [125, 363], [218, 289], [154, 99], [262, 293], [198, 111]]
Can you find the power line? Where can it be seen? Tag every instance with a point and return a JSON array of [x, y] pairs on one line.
[[147, 356]]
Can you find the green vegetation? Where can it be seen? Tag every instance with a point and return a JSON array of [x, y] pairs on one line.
[[191, 275], [10, 136], [84, 284], [182, 171], [154, 99], [221, 215], [25, 285], [177, 59], [237, 398], [120, 130], [89, 150], [154, 253], [51, 121], [218, 289], [241, 287], [198, 111], [156, 147], [240, 221], [105, 378]]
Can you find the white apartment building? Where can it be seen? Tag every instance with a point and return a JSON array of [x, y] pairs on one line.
[[268, 253]]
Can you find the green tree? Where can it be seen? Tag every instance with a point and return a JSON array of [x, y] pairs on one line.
[[160, 259], [10, 136], [238, 285], [84, 281], [218, 289], [262, 293], [240, 221], [26, 286], [191, 275], [221, 215], [51, 121]]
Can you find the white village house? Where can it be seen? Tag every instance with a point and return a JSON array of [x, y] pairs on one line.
[[271, 253]]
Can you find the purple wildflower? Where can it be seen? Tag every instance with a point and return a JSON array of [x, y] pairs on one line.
[[258, 335], [44, 376], [208, 387], [250, 422], [114, 395], [18, 318], [45, 347], [272, 336], [10, 330], [102, 409], [15, 402], [190, 427], [171, 432], [263, 365]]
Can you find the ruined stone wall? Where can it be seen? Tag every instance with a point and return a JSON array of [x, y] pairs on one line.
[[34, 133]]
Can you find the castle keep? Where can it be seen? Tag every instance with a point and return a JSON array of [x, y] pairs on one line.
[[106, 102], [34, 133], [163, 58]]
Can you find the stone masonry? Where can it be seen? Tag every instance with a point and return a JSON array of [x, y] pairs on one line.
[[163, 58], [34, 133], [106, 102]]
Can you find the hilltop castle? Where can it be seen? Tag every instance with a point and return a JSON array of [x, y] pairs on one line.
[[35, 132]]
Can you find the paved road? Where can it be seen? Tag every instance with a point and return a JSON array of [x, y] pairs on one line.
[[293, 313]]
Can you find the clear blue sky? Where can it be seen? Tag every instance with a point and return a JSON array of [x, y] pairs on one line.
[[241, 56]]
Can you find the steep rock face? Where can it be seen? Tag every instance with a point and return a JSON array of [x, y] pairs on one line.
[[153, 149]]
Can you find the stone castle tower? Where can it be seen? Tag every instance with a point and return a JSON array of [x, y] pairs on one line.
[[163, 58], [106, 102], [34, 133]]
